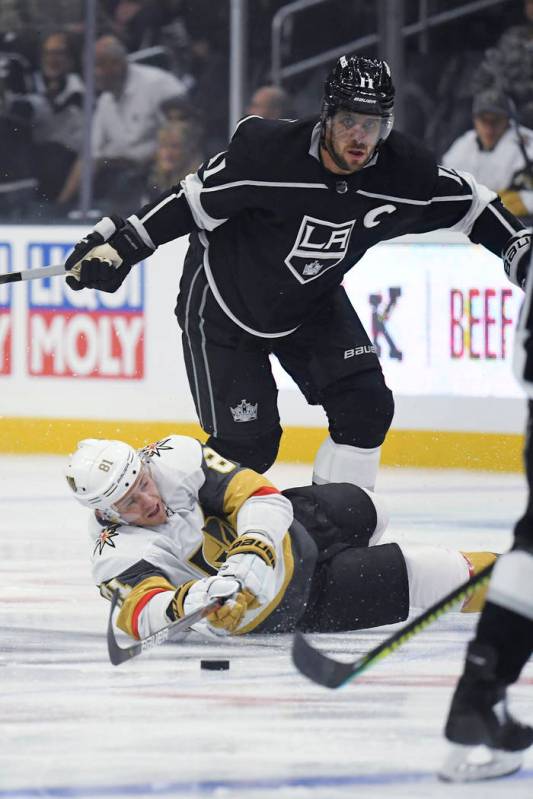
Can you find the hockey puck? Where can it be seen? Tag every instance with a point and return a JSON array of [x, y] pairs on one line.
[[214, 665]]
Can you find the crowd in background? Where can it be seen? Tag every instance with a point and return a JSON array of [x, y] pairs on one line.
[[162, 94], [161, 97]]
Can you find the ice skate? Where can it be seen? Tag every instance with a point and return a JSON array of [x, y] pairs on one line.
[[474, 763], [487, 740]]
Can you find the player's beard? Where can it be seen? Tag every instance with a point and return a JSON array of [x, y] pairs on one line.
[[341, 161]]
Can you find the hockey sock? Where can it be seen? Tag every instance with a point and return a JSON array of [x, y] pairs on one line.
[[433, 572], [343, 463]]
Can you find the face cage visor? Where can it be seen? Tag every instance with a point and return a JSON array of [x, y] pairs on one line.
[[110, 512], [347, 122], [331, 107], [347, 125], [128, 516]]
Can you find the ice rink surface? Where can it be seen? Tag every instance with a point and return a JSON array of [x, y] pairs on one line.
[[73, 725]]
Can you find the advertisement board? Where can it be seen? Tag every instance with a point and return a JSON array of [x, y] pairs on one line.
[[84, 334], [5, 310], [440, 315]]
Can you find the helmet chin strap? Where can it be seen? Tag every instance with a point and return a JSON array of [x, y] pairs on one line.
[[110, 517]]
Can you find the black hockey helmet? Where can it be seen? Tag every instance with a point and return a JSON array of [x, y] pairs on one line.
[[362, 85]]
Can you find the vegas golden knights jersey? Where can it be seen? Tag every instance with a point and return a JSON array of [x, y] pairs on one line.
[[204, 495]]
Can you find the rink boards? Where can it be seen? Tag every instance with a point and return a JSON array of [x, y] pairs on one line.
[[438, 309]]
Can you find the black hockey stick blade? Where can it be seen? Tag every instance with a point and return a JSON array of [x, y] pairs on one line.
[[10, 277], [331, 673], [119, 654], [316, 665]]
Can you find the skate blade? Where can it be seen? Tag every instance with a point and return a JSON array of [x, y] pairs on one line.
[[473, 763]]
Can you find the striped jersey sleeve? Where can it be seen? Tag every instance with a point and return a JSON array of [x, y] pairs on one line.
[[221, 188], [461, 204]]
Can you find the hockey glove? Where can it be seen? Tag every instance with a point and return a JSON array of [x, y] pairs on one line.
[[104, 258], [251, 560], [198, 593], [245, 581], [516, 255]]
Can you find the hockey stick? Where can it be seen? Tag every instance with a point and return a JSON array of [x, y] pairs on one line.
[[327, 671], [33, 274], [119, 654]]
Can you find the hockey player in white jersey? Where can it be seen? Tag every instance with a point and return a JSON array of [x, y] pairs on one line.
[[503, 644], [275, 223], [175, 525]]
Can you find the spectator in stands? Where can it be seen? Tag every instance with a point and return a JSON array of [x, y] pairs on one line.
[[127, 117], [270, 102], [138, 22], [33, 18], [178, 109], [179, 152], [209, 70], [509, 66], [497, 152], [17, 182], [58, 118]]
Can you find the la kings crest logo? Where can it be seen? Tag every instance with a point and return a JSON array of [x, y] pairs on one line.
[[245, 411], [319, 246]]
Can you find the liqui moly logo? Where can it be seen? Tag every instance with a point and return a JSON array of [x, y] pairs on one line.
[[83, 333], [5, 311]]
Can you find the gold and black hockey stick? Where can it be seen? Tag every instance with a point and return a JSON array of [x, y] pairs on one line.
[[331, 673], [118, 654]]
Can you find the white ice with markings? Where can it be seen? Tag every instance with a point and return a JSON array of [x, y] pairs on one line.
[[73, 725]]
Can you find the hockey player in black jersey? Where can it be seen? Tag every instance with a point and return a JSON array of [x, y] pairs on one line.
[[504, 639], [275, 222]]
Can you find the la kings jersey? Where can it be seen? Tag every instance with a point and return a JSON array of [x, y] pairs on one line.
[[209, 501], [275, 231]]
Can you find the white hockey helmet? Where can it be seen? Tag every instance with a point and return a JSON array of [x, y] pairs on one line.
[[101, 472]]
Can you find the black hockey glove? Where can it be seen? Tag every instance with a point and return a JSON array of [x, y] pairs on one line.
[[104, 258], [516, 256]]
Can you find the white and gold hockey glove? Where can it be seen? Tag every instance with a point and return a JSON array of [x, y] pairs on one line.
[[251, 560], [245, 581]]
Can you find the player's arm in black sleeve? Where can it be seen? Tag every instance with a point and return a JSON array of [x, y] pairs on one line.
[[496, 225], [220, 189], [460, 203]]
